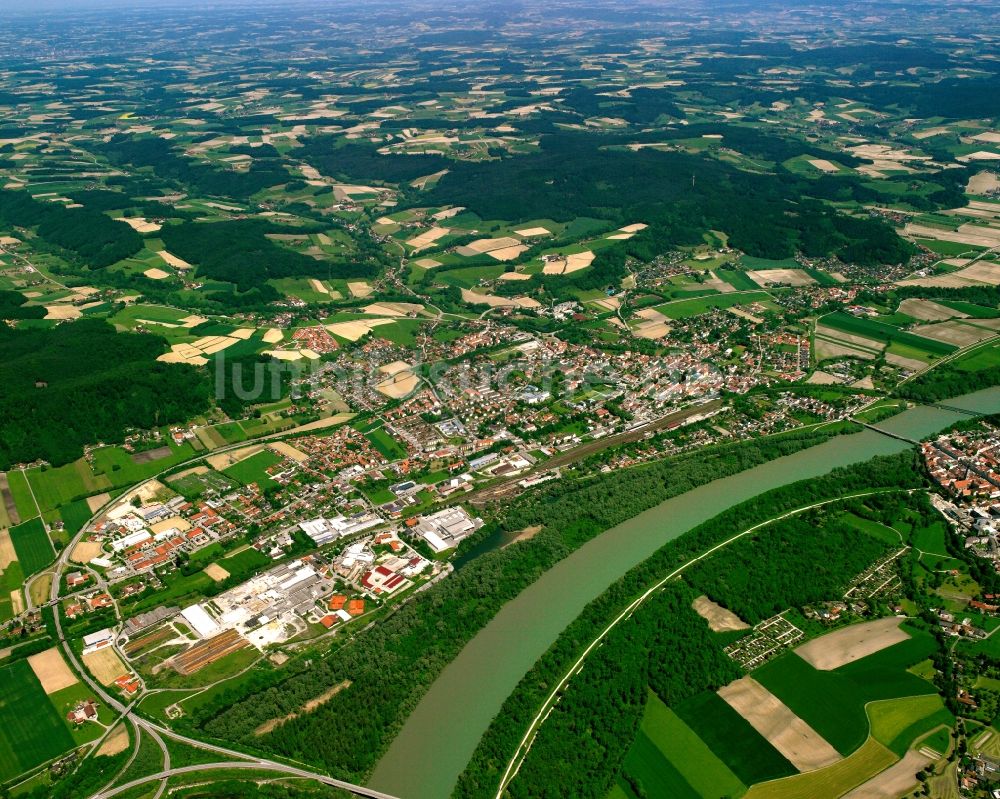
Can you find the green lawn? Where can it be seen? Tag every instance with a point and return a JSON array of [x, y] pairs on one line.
[[31, 731], [32, 545]]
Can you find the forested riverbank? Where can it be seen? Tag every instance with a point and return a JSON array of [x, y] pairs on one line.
[[391, 665], [608, 695]]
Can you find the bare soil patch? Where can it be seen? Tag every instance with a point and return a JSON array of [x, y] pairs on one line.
[[895, 781], [86, 551], [719, 619], [52, 671], [216, 572], [786, 732], [7, 553], [928, 311], [115, 743], [852, 643], [105, 665], [308, 707]]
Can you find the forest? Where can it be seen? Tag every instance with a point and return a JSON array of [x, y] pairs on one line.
[[239, 252], [12, 306], [82, 383], [265, 170], [665, 646], [94, 238], [479, 781], [803, 559], [678, 194], [393, 664]]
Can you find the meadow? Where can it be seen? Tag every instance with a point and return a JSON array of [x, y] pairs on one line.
[[31, 731], [254, 469], [32, 545], [683, 309]]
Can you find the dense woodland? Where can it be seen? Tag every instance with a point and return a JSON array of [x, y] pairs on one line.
[[665, 646], [13, 306], [392, 664], [803, 559], [679, 195], [95, 239], [265, 170], [479, 781], [82, 382], [240, 253]]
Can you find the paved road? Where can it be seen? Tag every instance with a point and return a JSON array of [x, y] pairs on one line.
[[257, 765], [156, 731]]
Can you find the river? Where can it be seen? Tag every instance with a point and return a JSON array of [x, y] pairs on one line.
[[438, 739]]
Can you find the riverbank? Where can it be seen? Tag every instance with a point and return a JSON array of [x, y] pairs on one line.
[[470, 691]]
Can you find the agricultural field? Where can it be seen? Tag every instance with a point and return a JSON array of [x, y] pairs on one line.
[[31, 729], [869, 711], [32, 544], [683, 309]]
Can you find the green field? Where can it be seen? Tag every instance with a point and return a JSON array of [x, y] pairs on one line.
[[31, 731], [975, 361], [666, 748], [885, 333], [21, 492], [833, 702], [683, 309], [725, 732], [254, 469], [975, 311], [385, 444], [75, 515], [739, 280], [898, 723], [32, 545]]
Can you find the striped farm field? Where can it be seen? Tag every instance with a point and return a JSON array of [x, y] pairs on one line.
[[31, 542], [831, 781], [670, 761], [731, 738], [879, 331], [31, 731]]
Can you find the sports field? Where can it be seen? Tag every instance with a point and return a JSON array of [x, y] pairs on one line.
[[31, 542], [31, 731]]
